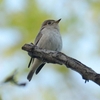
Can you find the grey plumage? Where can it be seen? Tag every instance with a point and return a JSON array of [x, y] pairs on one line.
[[48, 38]]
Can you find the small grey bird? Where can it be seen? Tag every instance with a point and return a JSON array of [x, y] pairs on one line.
[[48, 38]]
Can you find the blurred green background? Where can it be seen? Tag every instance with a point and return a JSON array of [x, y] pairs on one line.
[[20, 21]]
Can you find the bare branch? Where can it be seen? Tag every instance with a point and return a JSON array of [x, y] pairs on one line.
[[60, 58]]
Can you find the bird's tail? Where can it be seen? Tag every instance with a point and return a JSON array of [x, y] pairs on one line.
[[29, 77], [35, 65]]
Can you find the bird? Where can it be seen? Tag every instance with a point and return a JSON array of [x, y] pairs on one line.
[[48, 38]]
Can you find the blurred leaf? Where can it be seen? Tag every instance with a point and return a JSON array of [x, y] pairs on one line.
[[28, 22], [96, 7], [1, 1]]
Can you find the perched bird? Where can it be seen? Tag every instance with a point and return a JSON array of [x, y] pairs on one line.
[[48, 38]]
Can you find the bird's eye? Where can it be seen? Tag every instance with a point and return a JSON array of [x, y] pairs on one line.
[[49, 23]]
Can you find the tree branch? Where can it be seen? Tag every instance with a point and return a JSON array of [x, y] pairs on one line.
[[60, 58]]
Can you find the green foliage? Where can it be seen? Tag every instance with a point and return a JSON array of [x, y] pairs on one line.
[[27, 22], [96, 8]]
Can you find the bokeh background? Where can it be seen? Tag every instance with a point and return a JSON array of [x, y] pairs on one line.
[[20, 21]]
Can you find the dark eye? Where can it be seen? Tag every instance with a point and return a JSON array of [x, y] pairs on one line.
[[49, 23]]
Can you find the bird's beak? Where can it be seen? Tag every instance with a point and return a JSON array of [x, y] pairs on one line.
[[58, 21]]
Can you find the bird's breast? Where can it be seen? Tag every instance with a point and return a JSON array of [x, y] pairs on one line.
[[51, 40]]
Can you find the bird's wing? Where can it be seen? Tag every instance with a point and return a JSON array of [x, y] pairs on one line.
[[30, 62], [39, 68], [36, 42], [38, 38]]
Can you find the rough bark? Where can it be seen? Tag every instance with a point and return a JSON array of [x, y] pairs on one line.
[[60, 58]]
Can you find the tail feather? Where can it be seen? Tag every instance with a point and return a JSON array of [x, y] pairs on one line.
[[39, 68], [30, 63], [29, 77], [35, 65]]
